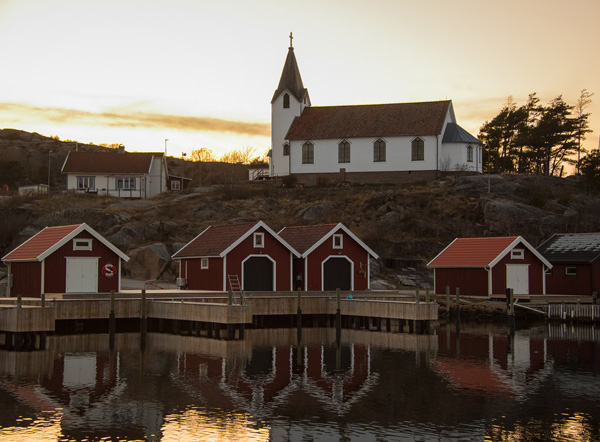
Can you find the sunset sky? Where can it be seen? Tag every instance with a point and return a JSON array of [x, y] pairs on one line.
[[202, 73]]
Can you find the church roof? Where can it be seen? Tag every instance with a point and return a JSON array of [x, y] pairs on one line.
[[456, 134], [373, 120], [290, 78]]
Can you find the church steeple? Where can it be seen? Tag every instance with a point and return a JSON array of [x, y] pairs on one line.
[[290, 77]]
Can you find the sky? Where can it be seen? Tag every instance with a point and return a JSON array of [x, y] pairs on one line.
[[202, 73]]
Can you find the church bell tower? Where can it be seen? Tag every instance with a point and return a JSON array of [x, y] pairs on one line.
[[287, 103]]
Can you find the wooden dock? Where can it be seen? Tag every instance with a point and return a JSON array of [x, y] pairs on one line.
[[25, 322]]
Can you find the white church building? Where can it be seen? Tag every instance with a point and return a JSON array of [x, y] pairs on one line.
[[392, 143]]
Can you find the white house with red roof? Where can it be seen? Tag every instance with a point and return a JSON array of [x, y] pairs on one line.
[[249, 256], [121, 174], [397, 142], [488, 266], [331, 257], [64, 259]]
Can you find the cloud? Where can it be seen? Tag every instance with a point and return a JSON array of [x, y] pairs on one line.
[[133, 119]]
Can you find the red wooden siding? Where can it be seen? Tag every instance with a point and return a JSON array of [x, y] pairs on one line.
[[27, 279], [584, 283], [471, 282], [536, 274], [203, 279], [351, 249], [56, 265], [474, 281], [273, 249]]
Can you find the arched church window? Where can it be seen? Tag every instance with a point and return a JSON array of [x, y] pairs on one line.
[[470, 154], [344, 152], [308, 153], [286, 101], [379, 153], [286, 150], [418, 149]]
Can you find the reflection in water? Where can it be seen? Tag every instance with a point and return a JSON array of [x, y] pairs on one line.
[[479, 384]]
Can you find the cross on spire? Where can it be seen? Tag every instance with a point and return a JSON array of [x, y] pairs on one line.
[[291, 38]]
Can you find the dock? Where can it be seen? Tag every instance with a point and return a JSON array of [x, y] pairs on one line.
[[24, 323]]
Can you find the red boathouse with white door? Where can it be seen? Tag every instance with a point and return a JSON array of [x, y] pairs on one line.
[[332, 257], [251, 254], [488, 266], [64, 259]]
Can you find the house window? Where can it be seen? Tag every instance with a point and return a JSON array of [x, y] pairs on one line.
[[379, 151], [86, 182], [469, 154], [204, 263], [286, 150], [517, 254], [344, 152], [126, 183], [308, 153], [259, 240], [571, 271], [175, 185], [418, 149], [286, 101], [338, 241], [82, 244]]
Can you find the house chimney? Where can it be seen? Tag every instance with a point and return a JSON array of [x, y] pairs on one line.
[[121, 148]]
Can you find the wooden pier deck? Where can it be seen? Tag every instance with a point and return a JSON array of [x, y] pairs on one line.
[[204, 311]]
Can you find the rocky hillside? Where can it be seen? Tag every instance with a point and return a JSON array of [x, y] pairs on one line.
[[406, 225]]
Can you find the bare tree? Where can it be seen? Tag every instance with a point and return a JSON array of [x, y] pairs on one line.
[[582, 123]]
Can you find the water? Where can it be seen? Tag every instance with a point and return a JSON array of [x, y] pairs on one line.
[[476, 385]]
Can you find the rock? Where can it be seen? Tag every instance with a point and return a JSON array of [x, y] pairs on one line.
[[150, 263], [318, 212]]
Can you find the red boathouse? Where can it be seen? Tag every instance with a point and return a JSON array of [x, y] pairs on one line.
[[64, 259], [332, 257], [488, 266]]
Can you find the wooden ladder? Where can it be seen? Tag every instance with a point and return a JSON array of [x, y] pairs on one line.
[[235, 286]]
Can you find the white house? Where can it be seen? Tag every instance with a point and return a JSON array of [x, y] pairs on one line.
[[120, 174], [396, 142]]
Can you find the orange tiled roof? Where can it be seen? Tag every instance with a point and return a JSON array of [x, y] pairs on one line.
[[38, 244], [303, 238], [472, 252], [109, 162], [374, 120], [213, 241]]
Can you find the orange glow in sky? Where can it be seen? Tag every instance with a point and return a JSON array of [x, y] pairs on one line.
[[202, 73]]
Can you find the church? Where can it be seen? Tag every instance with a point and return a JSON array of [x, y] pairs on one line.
[[376, 143]]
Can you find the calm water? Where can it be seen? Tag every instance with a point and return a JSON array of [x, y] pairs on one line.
[[480, 384]]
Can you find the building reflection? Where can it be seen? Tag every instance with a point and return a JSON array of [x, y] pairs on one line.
[[234, 389]]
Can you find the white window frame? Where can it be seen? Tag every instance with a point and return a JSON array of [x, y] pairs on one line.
[[175, 185], [517, 254], [125, 183], [338, 241], [82, 244], [86, 182], [469, 154], [204, 263], [259, 240], [571, 271]]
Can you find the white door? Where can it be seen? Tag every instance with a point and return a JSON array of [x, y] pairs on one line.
[[517, 278], [82, 275]]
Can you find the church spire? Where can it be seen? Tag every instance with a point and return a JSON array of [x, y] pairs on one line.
[[290, 76]]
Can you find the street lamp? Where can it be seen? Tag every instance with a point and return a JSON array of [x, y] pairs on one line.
[[49, 152]]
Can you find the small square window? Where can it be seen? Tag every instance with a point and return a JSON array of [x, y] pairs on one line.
[[338, 241], [82, 244], [517, 254], [571, 271], [259, 240], [175, 185], [204, 263]]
